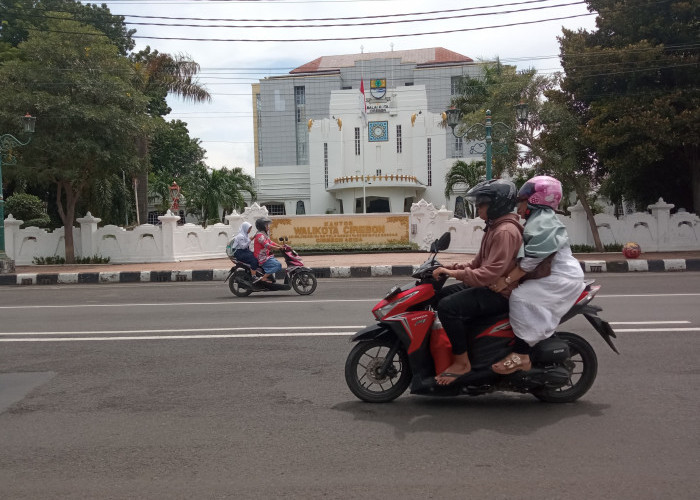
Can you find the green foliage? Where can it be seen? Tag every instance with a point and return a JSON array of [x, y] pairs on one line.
[[612, 247], [205, 190], [88, 126], [636, 79], [20, 15], [28, 208], [58, 260], [500, 89]]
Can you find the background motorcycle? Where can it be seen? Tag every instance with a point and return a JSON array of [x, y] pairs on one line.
[[241, 278], [407, 345]]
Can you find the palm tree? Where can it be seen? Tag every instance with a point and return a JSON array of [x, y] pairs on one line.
[[207, 189], [163, 74], [465, 175]]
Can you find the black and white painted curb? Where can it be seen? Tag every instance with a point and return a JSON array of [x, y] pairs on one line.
[[589, 266]]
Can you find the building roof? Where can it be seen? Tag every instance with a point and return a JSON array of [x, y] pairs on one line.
[[420, 57]]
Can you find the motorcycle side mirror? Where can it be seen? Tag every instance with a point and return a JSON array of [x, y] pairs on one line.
[[443, 243]]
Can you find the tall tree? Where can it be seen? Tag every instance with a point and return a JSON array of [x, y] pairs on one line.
[[637, 78], [89, 111], [163, 74], [20, 16], [500, 89], [561, 150]]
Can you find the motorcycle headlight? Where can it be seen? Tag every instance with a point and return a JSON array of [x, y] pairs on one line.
[[383, 311]]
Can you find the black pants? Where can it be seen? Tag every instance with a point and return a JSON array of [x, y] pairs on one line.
[[459, 304]]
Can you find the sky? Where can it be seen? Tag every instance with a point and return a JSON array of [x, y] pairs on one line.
[[226, 39]]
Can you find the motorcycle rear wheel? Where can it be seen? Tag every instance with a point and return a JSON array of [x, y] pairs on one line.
[[361, 368], [304, 282], [239, 283], [583, 363]]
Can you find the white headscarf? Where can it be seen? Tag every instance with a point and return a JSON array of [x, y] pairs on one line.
[[241, 240]]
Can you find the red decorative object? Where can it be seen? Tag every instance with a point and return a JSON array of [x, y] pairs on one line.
[[631, 250], [174, 197]]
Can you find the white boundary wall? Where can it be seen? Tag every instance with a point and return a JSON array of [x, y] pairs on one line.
[[169, 242], [658, 231]]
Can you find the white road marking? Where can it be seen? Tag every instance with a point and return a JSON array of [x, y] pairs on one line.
[[183, 337], [177, 330], [628, 330], [649, 322], [180, 304]]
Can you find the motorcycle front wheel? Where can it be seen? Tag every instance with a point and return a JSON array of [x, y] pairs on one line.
[[239, 283], [583, 367], [304, 282], [363, 364]]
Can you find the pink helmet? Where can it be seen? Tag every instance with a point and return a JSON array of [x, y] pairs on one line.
[[541, 190]]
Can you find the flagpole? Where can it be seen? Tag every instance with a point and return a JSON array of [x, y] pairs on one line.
[[364, 127]]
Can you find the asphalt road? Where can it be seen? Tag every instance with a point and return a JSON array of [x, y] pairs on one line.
[[181, 390]]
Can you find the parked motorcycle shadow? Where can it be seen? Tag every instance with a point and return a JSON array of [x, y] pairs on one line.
[[516, 416]]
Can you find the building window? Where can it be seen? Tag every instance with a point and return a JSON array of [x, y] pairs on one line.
[[454, 85], [408, 84], [275, 208], [430, 162], [300, 95], [302, 130], [379, 171], [325, 163], [399, 146], [357, 141], [459, 148], [301, 210]]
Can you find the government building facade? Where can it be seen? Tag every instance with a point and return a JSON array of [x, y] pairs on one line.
[[358, 133]]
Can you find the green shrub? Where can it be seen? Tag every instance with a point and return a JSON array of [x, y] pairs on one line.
[[28, 208], [58, 260]]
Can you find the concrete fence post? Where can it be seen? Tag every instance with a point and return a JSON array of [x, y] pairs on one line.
[[88, 227], [11, 232], [167, 233], [661, 211], [580, 228]]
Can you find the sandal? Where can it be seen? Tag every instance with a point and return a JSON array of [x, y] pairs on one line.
[[512, 363]]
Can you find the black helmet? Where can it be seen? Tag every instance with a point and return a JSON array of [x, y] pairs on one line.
[[261, 224], [501, 196]]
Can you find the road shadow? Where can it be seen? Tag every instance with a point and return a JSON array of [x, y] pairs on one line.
[[517, 415]]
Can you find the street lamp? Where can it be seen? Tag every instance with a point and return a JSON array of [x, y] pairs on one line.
[[485, 130], [7, 143]]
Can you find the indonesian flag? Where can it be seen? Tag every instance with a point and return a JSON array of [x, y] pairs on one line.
[[363, 102]]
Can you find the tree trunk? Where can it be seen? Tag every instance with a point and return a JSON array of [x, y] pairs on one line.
[[142, 185], [695, 180], [67, 215], [580, 192]]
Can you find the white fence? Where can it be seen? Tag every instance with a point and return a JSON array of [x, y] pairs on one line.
[[170, 242], [657, 231]]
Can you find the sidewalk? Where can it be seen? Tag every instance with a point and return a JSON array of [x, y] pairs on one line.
[[324, 266]]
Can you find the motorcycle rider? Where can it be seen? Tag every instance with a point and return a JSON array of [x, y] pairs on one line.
[[555, 276], [461, 303], [263, 247], [239, 247]]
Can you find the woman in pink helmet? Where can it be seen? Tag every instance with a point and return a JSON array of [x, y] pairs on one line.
[[552, 279]]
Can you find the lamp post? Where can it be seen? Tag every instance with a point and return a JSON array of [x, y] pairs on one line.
[[485, 130], [7, 143]]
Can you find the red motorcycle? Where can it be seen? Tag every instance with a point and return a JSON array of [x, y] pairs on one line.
[[242, 278], [408, 346]]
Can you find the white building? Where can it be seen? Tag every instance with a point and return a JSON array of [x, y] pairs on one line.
[[317, 153]]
